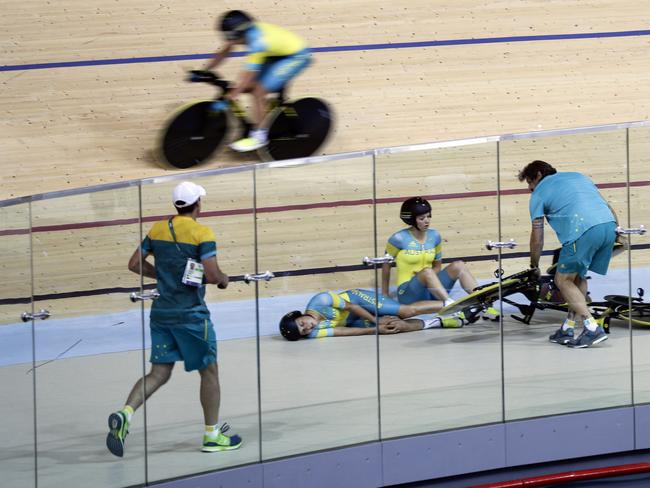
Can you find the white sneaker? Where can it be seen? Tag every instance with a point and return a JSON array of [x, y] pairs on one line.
[[256, 139]]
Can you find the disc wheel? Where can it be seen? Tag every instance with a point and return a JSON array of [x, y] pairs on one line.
[[639, 314], [297, 129], [193, 135]]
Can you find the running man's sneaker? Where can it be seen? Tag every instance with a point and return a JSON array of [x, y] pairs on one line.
[[491, 313], [256, 139], [561, 336], [221, 442], [118, 429], [588, 338]]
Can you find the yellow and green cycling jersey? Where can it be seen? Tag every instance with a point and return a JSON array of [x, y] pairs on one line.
[[412, 256], [265, 41]]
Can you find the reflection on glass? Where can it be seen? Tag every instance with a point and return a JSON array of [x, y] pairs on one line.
[[311, 226], [543, 377], [16, 368], [316, 393], [443, 377], [639, 140], [90, 348], [179, 410]]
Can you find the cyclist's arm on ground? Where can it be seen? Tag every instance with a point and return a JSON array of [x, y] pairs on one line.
[[352, 331], [220, 55], [394, 328], [148, 269], [399, 325], [385, 279], [213, 273], [536, 242]]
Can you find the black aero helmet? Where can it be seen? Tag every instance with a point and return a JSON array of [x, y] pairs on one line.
[[412, 208], [234, 23], [288, 326]]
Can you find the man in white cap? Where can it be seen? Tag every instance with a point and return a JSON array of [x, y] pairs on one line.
[[185, 260]]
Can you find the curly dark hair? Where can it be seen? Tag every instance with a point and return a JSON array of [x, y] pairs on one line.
[[530, 171]]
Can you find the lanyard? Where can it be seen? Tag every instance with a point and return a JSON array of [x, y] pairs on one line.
[[171, 229]]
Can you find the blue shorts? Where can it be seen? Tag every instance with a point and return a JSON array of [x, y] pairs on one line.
[[591, 252], [277, 72], [366, 299], [414, 291], [194, 343]]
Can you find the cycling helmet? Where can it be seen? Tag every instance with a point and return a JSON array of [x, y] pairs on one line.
[[412, 208], [288, 326], [234, 23]]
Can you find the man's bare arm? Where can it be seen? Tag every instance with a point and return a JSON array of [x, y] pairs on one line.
[[213, 273], [147, 270], [536, 242]]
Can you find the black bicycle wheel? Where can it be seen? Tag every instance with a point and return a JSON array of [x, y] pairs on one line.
[[193, 134], [297, 129], [639, 314], [622, 300]]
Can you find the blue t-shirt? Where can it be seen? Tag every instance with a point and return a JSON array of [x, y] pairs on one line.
[[571, 204]]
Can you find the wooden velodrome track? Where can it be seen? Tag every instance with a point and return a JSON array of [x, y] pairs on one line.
[[75, 126]]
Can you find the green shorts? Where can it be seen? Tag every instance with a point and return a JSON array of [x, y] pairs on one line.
[[591, 252], [194, 343]]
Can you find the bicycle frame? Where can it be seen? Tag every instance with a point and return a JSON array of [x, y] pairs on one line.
[[612, 307]]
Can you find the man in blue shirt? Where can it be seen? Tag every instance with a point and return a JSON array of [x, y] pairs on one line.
[[585, 225]]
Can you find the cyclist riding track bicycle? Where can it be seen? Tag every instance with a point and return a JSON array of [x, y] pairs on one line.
[[275, 56]]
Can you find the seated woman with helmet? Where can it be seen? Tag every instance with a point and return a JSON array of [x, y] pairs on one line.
[[352, 312], [275, 56], [418, 258]]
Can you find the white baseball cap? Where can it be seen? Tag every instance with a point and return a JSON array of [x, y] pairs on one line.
[[187, 193]]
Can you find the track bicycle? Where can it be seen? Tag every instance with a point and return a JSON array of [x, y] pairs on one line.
[[485, 295], [544, 294], [623, 307], [296, 129]]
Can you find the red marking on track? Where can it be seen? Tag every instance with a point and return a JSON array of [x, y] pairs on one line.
[[289, 208]]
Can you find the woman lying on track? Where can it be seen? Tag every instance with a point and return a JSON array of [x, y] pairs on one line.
[[352, 312]]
